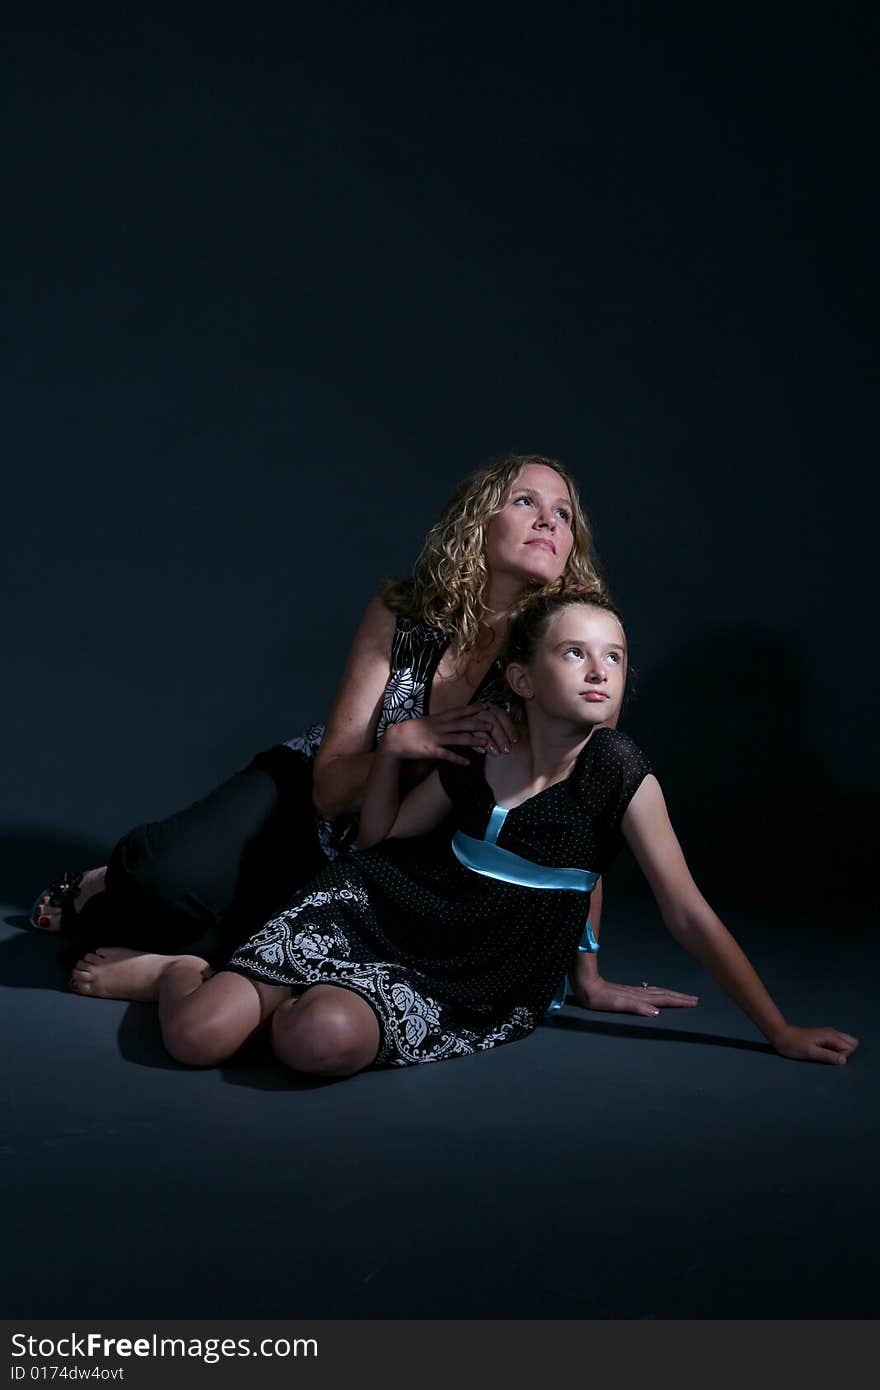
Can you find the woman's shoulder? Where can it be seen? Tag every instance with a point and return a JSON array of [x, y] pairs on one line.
[[397, 596], [416, 646], [421, 628], [381, 627]]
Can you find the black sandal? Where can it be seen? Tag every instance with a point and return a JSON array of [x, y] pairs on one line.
[[63, 893]]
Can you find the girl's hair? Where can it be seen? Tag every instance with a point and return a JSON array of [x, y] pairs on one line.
[[449, 580], [531, 615]]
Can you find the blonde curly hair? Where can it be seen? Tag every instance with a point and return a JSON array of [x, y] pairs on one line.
[[450, 576]]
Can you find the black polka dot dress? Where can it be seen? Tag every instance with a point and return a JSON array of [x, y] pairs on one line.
[[453, 962]]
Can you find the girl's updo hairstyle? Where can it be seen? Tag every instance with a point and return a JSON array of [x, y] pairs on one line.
[[450, 576], [530, 618]]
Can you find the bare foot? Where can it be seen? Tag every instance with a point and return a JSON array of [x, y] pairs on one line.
[[115, 972], [49, 918]]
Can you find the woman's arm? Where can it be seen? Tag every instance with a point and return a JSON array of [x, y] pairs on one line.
[[343, 761], [695, 926]]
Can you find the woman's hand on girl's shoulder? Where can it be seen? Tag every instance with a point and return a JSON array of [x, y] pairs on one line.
[[815, 1044], [483, 728]]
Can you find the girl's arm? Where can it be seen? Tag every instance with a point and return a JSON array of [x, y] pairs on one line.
[[383, 814], [695, 926], [591, 991]]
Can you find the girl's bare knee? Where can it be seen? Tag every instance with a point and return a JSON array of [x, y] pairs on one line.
[[198, 1042], [325, 1036]]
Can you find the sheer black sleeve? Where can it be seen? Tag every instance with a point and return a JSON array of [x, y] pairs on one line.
[[610, 777], [631, 767]]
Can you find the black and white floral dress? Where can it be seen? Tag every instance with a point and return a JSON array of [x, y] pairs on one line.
[[453, 962]]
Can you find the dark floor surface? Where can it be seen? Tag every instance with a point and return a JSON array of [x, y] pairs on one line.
[[607, 1167]]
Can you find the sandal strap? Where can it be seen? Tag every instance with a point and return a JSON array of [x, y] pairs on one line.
[[64, 888]]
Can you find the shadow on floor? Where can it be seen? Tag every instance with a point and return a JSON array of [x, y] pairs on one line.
[[653, 1033], [140, 1043], [33, 960]]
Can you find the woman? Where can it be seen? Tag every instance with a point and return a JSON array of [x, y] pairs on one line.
[[425, 656]]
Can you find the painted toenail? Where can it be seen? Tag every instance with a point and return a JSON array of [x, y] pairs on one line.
[[43, 921]]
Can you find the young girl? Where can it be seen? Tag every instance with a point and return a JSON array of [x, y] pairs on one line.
[[399, 955]]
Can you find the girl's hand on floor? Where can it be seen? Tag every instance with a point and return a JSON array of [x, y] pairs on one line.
[[815, 1044], [606, 997]]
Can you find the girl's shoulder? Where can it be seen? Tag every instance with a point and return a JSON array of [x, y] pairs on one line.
[[612, 765], [613, 745]]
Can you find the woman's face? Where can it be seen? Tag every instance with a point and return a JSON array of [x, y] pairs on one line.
[[530, 539]]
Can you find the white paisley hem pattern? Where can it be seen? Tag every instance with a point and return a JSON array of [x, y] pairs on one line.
[[415, 1027]]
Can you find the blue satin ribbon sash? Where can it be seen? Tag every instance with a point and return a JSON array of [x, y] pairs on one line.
[[486, 857]]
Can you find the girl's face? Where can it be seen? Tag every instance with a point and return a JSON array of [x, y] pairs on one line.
[[531, 537], [578, 671]]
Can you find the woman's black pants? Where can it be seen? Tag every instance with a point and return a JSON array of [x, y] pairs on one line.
[[215, 872]]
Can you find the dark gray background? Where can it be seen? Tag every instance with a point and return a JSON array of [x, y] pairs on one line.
[[276, 276]]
